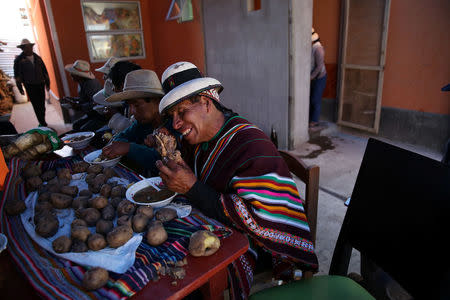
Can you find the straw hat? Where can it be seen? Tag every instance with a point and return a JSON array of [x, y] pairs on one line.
[[106, 68], [314, 35], [104, 93], [183, 80], [24, 43], [139, 84], [80, 68]]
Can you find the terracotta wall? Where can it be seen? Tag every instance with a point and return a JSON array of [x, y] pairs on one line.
[[417, 53], [175, 41], [326, 20], [418, 56], [72, 37], [39, 19]]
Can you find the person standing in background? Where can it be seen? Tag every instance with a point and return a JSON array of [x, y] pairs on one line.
[[318, 79], [30, 70]]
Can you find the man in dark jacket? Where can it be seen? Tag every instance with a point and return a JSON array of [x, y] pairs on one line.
[[30, 70]]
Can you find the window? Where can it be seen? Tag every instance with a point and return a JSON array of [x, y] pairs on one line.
[[113, 29]]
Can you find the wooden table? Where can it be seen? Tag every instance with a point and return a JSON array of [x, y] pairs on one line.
[[207, 273]]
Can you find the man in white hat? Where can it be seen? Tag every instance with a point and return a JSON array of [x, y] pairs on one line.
[[232, 172], [142, 91], [106, 68], [30, 70], [88, 86]]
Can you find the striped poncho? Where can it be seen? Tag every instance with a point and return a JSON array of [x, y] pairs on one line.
[[257, 192]]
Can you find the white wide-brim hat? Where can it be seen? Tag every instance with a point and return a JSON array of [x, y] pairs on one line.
[[104, 93], [80, 68], [106, 68], [139, 84], [187, 90]]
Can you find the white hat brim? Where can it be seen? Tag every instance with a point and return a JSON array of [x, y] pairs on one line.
[[72, 70], [103, 69], [187, 90], [100, 98], [130, 95]]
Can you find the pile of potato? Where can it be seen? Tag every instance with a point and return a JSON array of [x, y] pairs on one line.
[[28, 146]]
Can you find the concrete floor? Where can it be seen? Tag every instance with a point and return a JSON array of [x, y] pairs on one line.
[[338, 152]]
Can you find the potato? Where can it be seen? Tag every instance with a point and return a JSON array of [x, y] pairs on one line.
[[104, 226], [124, 220], [80, 233], [95, 278], [90, 215], [63, 181], [139, 222], [166, 214], [54, 188], [79, 246], [71, 190], [80, 167], [86, 193], [11, 151], [64, 174], [43, 205], [98, 202], [43, 197], [31, 170], [108, 212], [48, 175], [118, 191], [94, 169], [145, 210], [15, 207], [33, 183], [119, 236], [105, 190], [47, 226], [53, 181], [90, 178], [60, 201], [125, 207], [115, 201], [62, 244], [96, 242], [43, 147], [156, 234], [97, 183], [80, 202], [109, 172], [78, 222], [203, 243], [24, 141]]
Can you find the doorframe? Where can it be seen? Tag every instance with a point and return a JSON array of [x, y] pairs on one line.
[[380, 68]]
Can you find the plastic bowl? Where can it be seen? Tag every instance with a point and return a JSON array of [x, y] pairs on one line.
[[68, 139], [3, 242], [89, 158], [132, 190]]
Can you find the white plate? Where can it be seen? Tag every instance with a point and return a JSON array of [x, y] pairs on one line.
[[78, 144], [132, 190], [89, 158]]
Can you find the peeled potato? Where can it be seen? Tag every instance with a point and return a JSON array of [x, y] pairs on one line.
[[203, 243]]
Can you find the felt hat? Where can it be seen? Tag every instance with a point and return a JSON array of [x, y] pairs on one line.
[[80, 68], [104, 93], [139, 84], [183, 80], [24, 43], [314, 35], [106, 68]]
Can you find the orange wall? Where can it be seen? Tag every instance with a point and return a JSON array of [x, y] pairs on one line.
[[418, 56], [175, 41], [326, 20], [72, 37], [43, 41]]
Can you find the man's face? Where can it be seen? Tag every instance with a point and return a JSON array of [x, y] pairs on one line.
[[143, 111], [190, 119], [27, 50]]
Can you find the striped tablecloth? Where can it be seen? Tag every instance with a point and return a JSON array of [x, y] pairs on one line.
[[57, 278]]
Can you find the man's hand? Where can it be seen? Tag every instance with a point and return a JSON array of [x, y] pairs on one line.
[[178, 177], [116, 149]]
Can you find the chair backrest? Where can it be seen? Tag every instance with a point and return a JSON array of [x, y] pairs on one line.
[[310, 176], [398, 217]]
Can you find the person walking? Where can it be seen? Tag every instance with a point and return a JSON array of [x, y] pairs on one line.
[[30, 71], [318, 79]]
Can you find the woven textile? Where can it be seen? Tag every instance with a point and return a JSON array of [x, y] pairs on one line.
[[57, 278]]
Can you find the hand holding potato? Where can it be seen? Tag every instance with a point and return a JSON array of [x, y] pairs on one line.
[[116, 149], [178, 177]]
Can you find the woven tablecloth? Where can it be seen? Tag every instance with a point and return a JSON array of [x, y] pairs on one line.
[[54, 277]]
